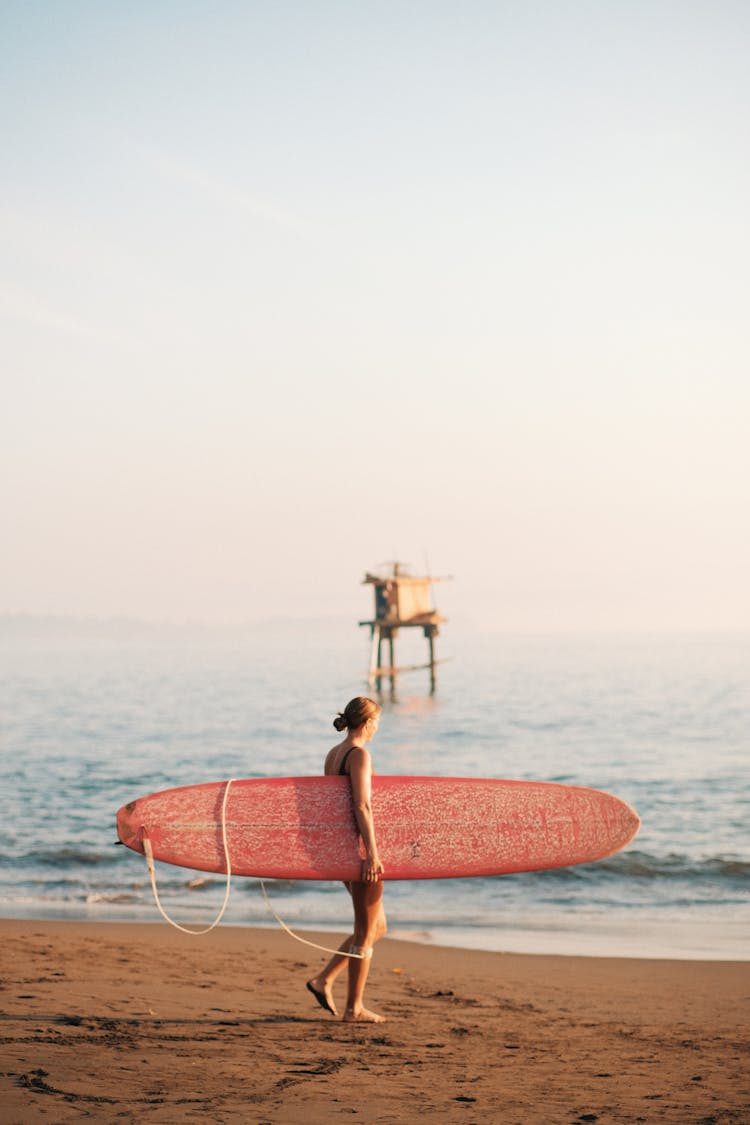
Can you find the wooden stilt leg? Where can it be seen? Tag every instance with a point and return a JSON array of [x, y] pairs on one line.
[[374, 654], [392, 657]]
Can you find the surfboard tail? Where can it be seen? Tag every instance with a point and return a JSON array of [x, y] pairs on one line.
[[129, 827]]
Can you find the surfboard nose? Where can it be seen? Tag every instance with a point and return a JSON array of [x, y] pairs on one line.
[[631, 822], [129, 828]]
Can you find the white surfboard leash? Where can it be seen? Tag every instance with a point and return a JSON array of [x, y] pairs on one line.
[[314, 945], [148, 852]]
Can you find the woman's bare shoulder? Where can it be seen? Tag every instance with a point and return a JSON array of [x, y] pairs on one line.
[[330, 762]]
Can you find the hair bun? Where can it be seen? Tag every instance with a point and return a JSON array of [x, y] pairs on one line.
[[356, 713]]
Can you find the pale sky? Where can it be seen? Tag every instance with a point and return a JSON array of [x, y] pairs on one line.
[[288, 290]]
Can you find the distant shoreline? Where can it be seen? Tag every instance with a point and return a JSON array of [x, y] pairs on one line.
[[19, 625]]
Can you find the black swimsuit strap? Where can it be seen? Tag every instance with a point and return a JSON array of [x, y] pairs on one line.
[[342, 767]]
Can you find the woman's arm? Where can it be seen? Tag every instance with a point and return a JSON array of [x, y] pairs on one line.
[[360, 775]]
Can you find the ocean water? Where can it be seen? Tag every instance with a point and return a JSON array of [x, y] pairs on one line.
[[92, 717]]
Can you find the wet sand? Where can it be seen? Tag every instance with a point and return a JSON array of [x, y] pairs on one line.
[[109, 1022]]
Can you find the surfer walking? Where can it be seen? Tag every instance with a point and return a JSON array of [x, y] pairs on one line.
[[351, 758]]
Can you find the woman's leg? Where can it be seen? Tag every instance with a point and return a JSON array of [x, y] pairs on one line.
[[321, 985], [369, 927]]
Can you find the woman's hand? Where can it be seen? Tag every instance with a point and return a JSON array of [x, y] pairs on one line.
[[372, 869]]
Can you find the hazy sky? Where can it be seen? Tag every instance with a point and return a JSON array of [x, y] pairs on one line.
[[291, 289]]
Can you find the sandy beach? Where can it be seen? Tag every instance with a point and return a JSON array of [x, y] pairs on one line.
[[137, 1022]]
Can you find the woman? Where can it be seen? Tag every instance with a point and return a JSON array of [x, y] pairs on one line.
[[360, 719]]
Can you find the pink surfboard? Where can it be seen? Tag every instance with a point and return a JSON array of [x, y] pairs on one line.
[[427, 827]]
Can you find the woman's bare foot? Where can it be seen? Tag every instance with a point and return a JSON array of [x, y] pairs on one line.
[[362, 1016], [323, 995]]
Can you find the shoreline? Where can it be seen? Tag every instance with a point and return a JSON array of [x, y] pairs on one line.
[[137, 1021], [695, 939]]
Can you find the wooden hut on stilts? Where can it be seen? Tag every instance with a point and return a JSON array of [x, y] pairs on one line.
[[402, 601]]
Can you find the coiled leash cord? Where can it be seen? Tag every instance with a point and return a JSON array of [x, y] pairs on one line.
[[148, 851]]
